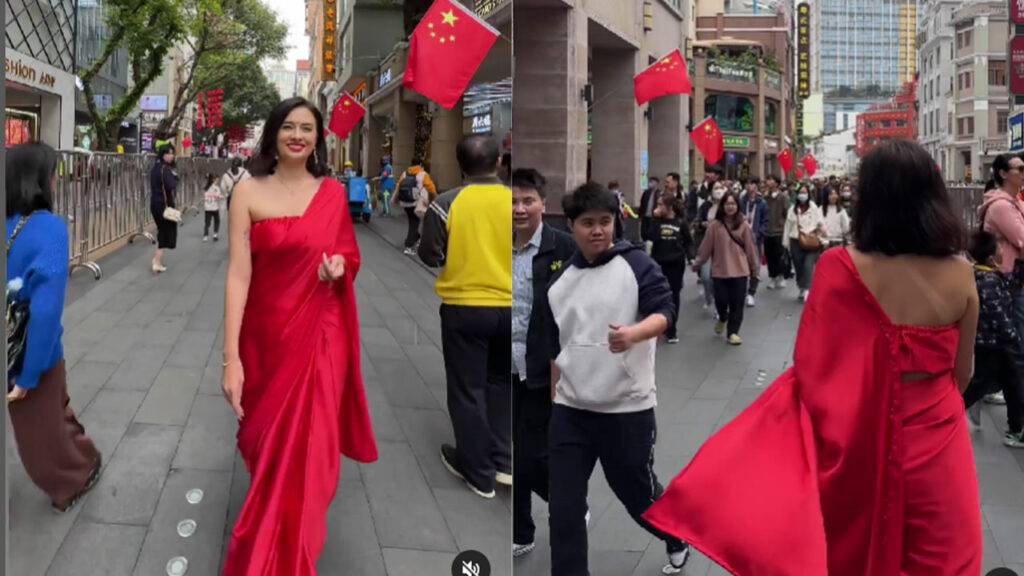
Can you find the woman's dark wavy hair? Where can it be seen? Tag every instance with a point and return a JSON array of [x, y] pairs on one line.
[[264, 162], [720, 215], [1001, 164], [29, 180], [903, 206]]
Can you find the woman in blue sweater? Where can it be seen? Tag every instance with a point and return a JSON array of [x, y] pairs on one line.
[[57, 454]]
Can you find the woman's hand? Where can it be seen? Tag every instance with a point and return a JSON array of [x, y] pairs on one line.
[[332, 268], [17, 393], [234, 378]]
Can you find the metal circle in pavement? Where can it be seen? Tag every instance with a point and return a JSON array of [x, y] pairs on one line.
[[177, 566], [186, 528], [194, 496]]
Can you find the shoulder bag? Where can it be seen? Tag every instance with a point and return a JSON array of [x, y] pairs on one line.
[[17, 319], [809, 242], [172, 214]]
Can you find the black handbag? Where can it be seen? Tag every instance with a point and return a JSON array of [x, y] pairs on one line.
[[17, 320]]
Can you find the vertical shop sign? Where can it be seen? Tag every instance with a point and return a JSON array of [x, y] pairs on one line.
[[330, 38], [803, 49]]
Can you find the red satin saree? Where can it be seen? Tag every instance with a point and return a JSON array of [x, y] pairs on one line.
[[840, 467], [303, 396]]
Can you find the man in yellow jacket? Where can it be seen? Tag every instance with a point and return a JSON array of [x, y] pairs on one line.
[[468, 231]]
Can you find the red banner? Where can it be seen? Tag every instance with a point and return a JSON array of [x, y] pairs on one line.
[[1017, 65], [1017, 11]]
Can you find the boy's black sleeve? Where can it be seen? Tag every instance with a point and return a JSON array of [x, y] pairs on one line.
[[554, 343], [655, 296]]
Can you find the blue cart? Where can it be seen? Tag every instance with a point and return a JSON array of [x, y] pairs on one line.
[[359, 202]]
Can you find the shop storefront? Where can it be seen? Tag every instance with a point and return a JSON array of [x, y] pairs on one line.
[[40, 102]]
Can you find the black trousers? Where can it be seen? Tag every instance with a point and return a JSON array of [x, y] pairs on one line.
[[624, 444], [673, 272], [413, 235], [997, 369], [729, 296], [531, 412], [476, 342], [773, 249], [755, 279], [212, 216]]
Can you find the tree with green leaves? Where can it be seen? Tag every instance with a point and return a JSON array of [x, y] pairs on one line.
[[148, 29], [223, 36]]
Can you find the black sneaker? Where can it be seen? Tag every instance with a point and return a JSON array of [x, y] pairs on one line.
[[449, 457]]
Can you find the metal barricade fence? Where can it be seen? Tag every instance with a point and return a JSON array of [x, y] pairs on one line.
[[966, 199], [105, 199]]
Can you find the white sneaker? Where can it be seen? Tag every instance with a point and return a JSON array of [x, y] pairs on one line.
[[781, 284], [216, 237], [522, 549], [676, 562], [409, 252], [995, 398], [1013, 440], [503, 478], [803, 295], [750, 301], [587, 518], [974, 416], [206, 238]]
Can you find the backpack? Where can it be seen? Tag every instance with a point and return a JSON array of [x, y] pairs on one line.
[[407, 189]]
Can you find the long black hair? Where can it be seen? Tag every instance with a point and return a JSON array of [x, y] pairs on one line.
[[903, 206], [264, 162], [29, 186], [720, 215]]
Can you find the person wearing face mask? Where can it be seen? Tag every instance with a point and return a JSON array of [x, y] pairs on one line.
[[846, 199], [755, 209], [730, 249], [777, 202], [805, 227]]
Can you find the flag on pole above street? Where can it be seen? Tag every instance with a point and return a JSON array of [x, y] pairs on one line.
[[810, 164], [345, 116], [709, 140], [445, 51], [786, 161], [665, 77]]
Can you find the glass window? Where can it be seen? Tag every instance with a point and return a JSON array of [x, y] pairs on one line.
[[732, 113], [997, 73], [771, 124]]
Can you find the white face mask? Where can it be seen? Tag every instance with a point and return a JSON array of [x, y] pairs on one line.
[[717, 194], [802, 198], [846, 195]]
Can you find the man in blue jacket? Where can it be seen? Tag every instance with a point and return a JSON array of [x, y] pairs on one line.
[[755, 209]]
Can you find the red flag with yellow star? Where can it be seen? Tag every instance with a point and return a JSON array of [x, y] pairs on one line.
[[346, 115], [709, 140], [810, 164], [445, 50], [664, 77], [786, 161]]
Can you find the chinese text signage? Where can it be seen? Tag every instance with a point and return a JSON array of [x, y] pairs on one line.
[[1017, 65], [1017, 11], [1016, 131], [737, 142], [330, 34], [803, 49]]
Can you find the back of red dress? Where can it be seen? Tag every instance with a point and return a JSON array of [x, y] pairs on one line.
[[814, 477]]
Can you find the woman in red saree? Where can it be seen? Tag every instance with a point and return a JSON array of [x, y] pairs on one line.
[[291, 347], [857, 461]]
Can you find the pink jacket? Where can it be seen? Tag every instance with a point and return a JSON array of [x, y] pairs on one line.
[[1004, 217], [728, 258]]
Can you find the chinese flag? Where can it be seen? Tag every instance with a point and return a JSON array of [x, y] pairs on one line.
[[810, 164], [709, 140], [445, 50], [786, 161], [664, 77], [799, 175], [346, 114]]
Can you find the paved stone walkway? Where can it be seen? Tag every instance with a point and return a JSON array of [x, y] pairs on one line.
[[702, 384], [144, 355]]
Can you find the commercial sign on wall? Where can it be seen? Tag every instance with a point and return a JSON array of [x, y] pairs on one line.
[[803, 50], [726, 71], [1017, 11], [153, 104], [1017, 65], [737, 142], [27, 72], [329, 36], [1016, 132]]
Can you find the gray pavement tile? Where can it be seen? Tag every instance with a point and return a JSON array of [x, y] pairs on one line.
[[85, 380], [148, 309], [482, 526], [386, 427], [616, 530], [107, 417], [991, 558], [236, 497], [116, 345], [351, 540], [997, 488], [402, 504], [1007, 526], [93, 327], [35, 532], [429, 363], [717, 389], [406, 331], [425, 431], [403, 385], [192, 349], [404, 562], [132, 479], [208, 442], [612, 563], [139, 369], [380, 344], [207, 317], [212, 378], [164, 331], [696, 411], [183, 303], [170, 398], [203, 549], [124, 300], [93, 549]]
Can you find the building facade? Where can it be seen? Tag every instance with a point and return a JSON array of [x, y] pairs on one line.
[[282, 76], [980, 101], [575, 115], [742, 70], [111, 84], [893, 120], [935, 86], [39, 73]]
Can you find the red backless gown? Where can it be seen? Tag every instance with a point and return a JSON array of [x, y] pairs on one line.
[[840, 467], [303, 395]]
